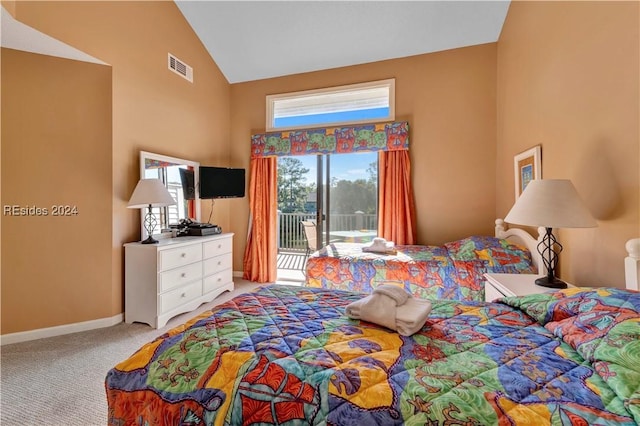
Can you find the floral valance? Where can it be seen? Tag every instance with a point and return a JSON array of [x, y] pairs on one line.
[[336, 140], [150, 163]]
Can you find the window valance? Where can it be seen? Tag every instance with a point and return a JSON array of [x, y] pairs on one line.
[[336, 140], [150, 163]]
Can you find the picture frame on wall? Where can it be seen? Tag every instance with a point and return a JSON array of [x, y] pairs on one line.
[[527, 167]]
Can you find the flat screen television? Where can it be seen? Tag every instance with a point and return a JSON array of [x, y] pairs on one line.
[[187, 177], [221, 182]]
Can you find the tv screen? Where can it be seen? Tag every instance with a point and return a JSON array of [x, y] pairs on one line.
[[221, 182], [187, 177]]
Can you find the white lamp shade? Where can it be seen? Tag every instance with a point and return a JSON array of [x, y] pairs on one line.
[[551, 203], [150, 192]]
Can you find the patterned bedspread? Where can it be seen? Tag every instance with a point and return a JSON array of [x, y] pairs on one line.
[[451, 271], [289, 356]]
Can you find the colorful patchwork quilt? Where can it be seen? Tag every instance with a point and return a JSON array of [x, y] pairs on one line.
[[451, 271], [287, 355]]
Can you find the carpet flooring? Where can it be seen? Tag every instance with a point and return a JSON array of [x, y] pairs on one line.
[[59, 381]]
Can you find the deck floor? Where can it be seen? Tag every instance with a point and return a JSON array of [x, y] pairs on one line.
[[291, 266]]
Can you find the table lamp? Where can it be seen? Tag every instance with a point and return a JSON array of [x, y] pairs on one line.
[[550, 203], [150, 193]]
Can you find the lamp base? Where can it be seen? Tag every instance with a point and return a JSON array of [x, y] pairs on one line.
[[552, 282], [149, 240]]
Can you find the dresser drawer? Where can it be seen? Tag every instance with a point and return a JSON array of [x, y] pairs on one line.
[[215, 281], [174, 298], [172, 258], [217, 247], [179, 276], [217, 264]]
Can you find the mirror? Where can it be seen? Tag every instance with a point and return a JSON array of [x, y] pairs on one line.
[[168, 170]]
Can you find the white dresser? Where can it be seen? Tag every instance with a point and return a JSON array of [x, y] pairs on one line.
[[175, 276]]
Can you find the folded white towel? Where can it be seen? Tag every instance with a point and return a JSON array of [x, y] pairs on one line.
[[391, 307], [393, 291], [411, 316], [379, 309], [353, 309], [380, 245]]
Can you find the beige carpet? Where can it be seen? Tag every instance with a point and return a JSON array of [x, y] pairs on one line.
[[59, 381]]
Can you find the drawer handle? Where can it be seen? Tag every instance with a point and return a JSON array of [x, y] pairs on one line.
[[183, 254], [183, 295], [184, 274], [219, 263], [219, 279], [219, 245]]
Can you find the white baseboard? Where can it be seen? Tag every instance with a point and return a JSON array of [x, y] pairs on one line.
[[41, 333], [59, 330]]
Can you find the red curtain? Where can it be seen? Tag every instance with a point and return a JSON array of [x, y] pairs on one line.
[[260, 255], [396, 208]]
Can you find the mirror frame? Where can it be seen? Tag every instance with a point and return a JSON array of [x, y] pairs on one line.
[[144, 155]]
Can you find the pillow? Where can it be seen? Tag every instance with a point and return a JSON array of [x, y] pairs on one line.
[[496, 255]]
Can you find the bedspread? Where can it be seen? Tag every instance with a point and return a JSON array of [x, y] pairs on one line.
[[451, 271], [288, 355]]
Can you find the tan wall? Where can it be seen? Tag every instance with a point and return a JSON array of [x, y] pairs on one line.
[[56, 151], [563, 75], [153, 110], [568, 80], [448, 99]]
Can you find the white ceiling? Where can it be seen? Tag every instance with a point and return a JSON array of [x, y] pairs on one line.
[[253, 40]]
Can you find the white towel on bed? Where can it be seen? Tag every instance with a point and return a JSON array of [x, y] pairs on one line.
[[380, 245], [391, 307]]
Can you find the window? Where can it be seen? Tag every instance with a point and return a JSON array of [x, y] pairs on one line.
[[356, 103]]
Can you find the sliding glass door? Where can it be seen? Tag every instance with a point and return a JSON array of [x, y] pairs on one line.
[[338, 192], [346, 197]]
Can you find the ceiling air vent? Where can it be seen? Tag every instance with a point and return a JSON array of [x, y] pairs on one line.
[[180, 68]]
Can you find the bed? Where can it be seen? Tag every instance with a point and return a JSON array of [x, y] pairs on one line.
[[451, 271], [288, 355]]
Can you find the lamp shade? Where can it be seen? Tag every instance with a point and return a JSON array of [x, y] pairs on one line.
[[150, 192], [551, 203]]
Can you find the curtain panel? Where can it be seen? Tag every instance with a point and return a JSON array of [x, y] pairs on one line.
[[260, 256], [396, 206], [335, 140]]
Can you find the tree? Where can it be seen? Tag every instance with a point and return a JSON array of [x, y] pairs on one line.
[[373, 172], [347, 197], [292, 191]]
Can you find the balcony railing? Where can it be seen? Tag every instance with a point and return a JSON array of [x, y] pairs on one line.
[[291, 235]]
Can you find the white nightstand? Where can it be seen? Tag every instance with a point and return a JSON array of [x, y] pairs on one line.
[[501, 285]]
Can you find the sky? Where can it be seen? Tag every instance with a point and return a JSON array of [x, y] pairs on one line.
[[343, 166]]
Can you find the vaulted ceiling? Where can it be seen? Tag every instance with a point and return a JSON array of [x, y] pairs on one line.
[[253, 40]]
